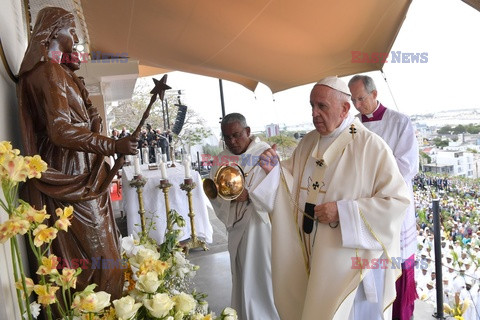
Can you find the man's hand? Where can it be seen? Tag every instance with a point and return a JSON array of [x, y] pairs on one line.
[[327, 212], [243, 196], [269, 159], [127, 145]]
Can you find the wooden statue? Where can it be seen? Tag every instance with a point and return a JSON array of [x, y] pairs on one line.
[[59, 123]]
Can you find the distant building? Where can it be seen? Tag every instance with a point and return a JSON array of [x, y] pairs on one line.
[[272, 130], [454, 163]]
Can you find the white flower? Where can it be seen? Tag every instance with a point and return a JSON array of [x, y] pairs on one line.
[[159, 305], [184, 303], [131, 246], [148, 282], [126, 308], [91, 302], [34, 310], [229, 314], [138, 295]]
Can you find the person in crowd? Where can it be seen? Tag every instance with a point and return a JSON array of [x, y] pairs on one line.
[[340, 199], [59, 123], [398, 132], [248, 226], [115, 134]]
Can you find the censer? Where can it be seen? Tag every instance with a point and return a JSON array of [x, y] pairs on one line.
[[228, 182]]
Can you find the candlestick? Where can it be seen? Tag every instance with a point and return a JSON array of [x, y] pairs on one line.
[[193, 242], [139, 182], [136, 164], [165, 186]]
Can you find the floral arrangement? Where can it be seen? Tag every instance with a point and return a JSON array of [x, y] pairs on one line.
[[157, 278], [457, 308]]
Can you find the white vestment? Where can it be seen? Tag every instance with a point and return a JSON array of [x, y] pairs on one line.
[[249, 242], [398, 132], [313, 274]]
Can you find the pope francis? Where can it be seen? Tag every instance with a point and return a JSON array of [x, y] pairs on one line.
[[337, 209]]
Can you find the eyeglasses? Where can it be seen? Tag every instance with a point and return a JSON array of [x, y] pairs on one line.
[[236, 136], [361, 99]]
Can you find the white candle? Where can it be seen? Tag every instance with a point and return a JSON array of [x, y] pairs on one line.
[[136, 164], [163, 169], [145, 156], [187, 167]]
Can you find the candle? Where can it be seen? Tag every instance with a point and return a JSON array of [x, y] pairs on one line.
[[164, 157], [187, 167], [163, 170], [136, 164], [145, 156]]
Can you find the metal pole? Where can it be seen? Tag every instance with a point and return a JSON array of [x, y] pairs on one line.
[[438, 258], [164, 118], [221, 97]]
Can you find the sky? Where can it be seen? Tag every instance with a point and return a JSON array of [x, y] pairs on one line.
[[447, 30]]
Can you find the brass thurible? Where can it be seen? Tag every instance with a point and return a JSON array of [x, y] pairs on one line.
[[228, 182]]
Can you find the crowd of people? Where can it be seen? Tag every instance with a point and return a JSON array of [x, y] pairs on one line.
[[459, 201], [149, 139]]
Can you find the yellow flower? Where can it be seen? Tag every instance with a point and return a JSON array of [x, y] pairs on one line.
[[5, 147], [65, 216], [12, 227], [91, 302], [66, 213], [126, 308], [49, 265], [63, 224], [26, 211], [148, 265], [28, 282], [35, 166], [46, 294], [14, 168], [44, 234], [67, 279]]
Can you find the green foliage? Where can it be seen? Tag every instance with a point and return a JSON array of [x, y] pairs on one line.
[[285, 144], [470, 128], [211, 150], [425, 157], [439, 143]]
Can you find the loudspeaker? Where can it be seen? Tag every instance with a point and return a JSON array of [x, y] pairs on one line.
[[182, 112]]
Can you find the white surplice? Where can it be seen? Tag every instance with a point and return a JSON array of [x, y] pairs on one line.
[[249, 242], [313, 275], [398, 132]]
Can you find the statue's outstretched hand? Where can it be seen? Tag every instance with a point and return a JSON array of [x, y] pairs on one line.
[[127, 145]]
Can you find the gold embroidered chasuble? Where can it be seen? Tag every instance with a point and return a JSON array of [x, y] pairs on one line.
[[318, 282]]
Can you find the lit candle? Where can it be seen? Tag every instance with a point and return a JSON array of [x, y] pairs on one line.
[[136, 164], [163, 170]]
